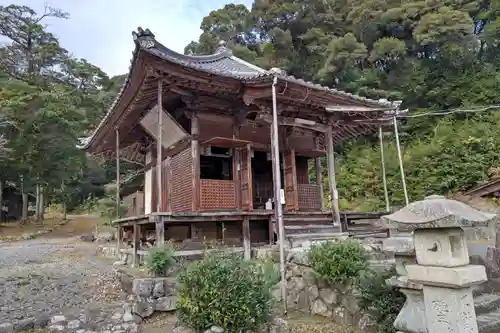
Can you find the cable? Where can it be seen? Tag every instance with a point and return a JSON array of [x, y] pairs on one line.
[[447, 112]]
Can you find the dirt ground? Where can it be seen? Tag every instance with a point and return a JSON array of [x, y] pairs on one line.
[[299, 323]]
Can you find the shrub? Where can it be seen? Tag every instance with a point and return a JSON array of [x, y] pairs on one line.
[[226, 291], [337, 262], [379, 299], [159, 259]]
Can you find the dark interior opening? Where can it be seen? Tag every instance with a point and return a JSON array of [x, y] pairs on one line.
[[262, 173], [214, 167]]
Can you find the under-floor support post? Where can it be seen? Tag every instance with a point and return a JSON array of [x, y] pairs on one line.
[[136, 244], [246, 238], [160, 231]]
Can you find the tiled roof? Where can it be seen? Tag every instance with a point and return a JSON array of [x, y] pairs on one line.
[[222, 63]]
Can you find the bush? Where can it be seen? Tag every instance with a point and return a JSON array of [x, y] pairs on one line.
[[380, 300], [159, 259], [337, 262], [226, 291]]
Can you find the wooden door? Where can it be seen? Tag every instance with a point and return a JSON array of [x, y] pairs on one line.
[[290, 176], [246, 178]]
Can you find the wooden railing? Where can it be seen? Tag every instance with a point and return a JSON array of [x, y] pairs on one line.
[[309, 197], [217, 194]]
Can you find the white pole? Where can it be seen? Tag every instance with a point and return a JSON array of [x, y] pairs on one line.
[[277, 197], [159, 147], [382, 163], [117, 142], [401, 169]]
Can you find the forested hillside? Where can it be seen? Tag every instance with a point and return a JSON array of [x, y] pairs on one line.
[[48, 99], [433, 55]]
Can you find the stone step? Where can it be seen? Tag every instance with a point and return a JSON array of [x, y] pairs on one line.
[[486, 303], [310, 229], [489, 322]]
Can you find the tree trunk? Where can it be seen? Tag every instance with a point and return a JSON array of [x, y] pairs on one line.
[[37, 203], [1, 200], [41, 213], [24, 217], [65, 210]]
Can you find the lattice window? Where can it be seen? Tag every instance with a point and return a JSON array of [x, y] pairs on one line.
[[309, 196], [182, 181], [217, 194]]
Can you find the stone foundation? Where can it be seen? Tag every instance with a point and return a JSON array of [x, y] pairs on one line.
[[147, 295]]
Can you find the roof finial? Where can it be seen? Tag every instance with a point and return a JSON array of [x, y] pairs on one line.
[[222, 47], [145, 38]]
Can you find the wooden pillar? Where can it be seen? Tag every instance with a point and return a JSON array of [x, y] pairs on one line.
[[117, 137], [119, 240], [160, 231], [246, 238], [291, 188], [159, 148], [195, 154], [236, 164], [169, 183], [334, 197], [271, 230], [136, 244], [319, 181]]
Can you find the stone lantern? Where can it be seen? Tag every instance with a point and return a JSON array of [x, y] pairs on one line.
[[440, 271]]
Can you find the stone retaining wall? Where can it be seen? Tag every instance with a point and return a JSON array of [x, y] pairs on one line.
[[147, 295]]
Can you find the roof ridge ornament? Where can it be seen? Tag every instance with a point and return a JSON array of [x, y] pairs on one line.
[[222, 48], [144, 38], [277, 71]]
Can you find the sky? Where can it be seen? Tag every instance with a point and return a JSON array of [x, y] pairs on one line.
[[101, 30]]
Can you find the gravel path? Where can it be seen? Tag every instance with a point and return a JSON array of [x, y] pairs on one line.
[[42, 278]]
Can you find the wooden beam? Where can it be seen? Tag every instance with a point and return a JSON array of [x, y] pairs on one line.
[[286, 121]]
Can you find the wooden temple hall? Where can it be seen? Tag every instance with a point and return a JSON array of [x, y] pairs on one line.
[[202, 127]]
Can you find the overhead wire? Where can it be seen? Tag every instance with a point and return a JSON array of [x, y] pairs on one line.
[[449, 111]]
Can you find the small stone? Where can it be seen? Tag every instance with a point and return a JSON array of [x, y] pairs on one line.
[[57, 319], [313, 292], [216, 329], [80, 331], [143, 308], [59, 328], [42, 320], [279, 325], [142, 287], [165, 304], [74, 324], [181, 329], [24, 324], [6, 328], [159, 289], [367, 323], [328, 295], [319, 308]]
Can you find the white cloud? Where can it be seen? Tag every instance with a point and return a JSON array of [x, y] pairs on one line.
[[100, 30]]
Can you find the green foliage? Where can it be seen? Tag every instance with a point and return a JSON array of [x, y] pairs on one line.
[[433, 55], [159, 259], [337, 261], [106, 206], [380, 300], [224, 290]]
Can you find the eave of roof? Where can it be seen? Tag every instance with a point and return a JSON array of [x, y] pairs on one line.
[[223, 64]]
